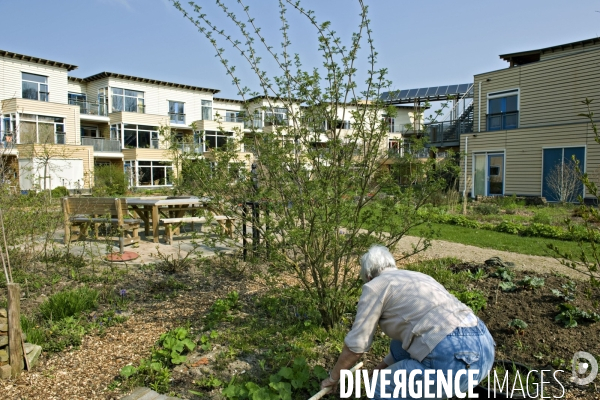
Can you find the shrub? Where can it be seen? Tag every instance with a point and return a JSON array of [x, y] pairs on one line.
[[60, 191], [486, 209], [69, 303], [109, 180], [474, 299], [542, 217]]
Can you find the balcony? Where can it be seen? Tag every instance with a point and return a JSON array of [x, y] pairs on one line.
[[90, 108], [256, 124], [502, 121], [102, 145], [229, 118], [447, 133], [194, 148], [177, 118]]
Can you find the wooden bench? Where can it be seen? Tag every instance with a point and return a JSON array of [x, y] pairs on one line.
[[171, 224], [81, 213]]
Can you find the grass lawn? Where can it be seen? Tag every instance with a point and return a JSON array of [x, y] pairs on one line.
[[500, 241]]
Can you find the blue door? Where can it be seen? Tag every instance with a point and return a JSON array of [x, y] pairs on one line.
[[560, 182]]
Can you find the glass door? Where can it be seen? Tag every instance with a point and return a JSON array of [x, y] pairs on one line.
[[495, 174], [480, 176]]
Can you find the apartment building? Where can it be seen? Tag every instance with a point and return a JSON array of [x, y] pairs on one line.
[[527, 124], [56, 128]]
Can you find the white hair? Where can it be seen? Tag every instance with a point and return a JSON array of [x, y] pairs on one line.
[[374, 261]]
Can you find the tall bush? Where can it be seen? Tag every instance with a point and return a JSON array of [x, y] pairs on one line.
[[109, 180], [321, 207]]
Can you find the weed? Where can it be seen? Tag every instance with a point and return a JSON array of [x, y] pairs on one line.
[[507, 286], [567, 293], [69, 303], [531, 283], [296, 377], [518, 326], [154, 372], [472, 298], [542, 217], [220, 310], [479, 275], [486, 209], [570, 315]]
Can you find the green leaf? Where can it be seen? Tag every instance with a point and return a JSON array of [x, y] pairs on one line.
[[286, 372], [320, 372], [128, 371]]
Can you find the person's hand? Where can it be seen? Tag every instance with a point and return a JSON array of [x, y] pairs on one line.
[[329, 382]]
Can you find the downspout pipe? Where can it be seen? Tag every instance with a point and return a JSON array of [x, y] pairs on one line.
[[479, 108], [466, 159]]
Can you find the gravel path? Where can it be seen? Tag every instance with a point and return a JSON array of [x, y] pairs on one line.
[[524, 262]]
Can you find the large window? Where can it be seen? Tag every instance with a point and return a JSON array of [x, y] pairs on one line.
[[207, 110], [216, 139], [155, 173], [176, 112], [276, 116], [140, 136], [127, 100], [503, 110], [41, 129], [35, 87]]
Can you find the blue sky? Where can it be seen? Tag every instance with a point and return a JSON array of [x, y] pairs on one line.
[[422, 43]]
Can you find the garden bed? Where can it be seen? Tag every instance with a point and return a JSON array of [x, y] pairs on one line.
[[252, 335]]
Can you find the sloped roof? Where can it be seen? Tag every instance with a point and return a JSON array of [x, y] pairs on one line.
[[105, 74], [10, 54]]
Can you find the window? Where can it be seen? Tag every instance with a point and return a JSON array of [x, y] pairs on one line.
[[155, 173], [503, 110], [395, 146], [89, 131], [277, 116], [115, 132], [234, 116], [140, 136], [41, 129], [216, 139], [207, 110], [176, 112], [127, 100], [35, 87], [340, 124], [7, 130]]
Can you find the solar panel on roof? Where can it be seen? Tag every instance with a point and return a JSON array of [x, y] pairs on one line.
[[420, 94]]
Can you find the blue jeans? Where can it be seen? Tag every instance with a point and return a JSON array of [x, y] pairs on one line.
[[463, 349]]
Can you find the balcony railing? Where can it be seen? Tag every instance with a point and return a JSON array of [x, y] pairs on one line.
[[195, 148], [256, 123], [177, 118], [102, 145], [448, 131], [229, 118], [90, 108], [497, 122]]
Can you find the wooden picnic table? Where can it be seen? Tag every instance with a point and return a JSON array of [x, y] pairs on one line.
[[150, 210]]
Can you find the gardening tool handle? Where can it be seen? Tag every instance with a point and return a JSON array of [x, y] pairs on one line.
[[326, 390]]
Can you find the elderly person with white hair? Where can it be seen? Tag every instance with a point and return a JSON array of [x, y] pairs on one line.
[[430, 329]]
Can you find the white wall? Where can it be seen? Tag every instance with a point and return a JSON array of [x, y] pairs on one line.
[[61, 172], [10, 79]]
